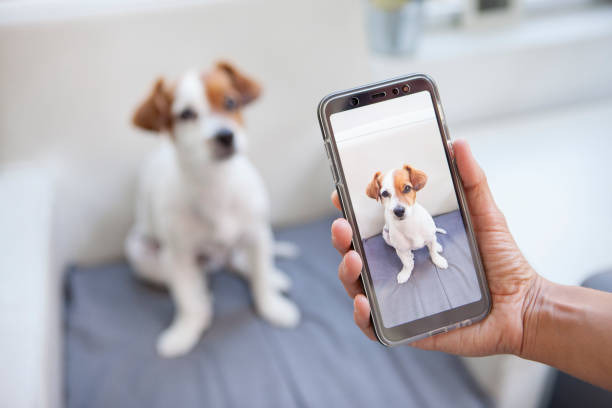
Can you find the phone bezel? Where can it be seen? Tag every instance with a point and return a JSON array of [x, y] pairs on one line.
[[440, 322]]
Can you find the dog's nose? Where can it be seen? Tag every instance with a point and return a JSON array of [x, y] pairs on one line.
[[399, 211], [225, 137]]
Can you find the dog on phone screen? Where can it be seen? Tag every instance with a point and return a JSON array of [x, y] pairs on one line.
[[408, 226], [202, 204]]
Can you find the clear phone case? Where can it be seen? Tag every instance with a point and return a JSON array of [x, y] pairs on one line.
[[342, 189]]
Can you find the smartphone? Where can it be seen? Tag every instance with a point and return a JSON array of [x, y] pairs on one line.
[[393, 167]]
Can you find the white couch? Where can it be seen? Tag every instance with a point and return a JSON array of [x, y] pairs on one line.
[[69, 155]]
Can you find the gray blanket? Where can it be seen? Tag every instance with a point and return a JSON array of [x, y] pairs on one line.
[[112, 322], [429, 290]]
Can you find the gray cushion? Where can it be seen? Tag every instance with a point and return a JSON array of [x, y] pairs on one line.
[[429, 290], [112, 322], [599, 281]]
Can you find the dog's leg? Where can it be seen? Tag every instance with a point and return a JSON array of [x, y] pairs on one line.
[[143, 255], [434, 252], [269, 301], [407, 258], [279, 280], [193, 302], [239, 263], [286, 249], [386, 236]]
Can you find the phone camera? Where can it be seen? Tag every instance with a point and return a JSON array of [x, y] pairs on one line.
[[406, 88], [354, 101], [395, 91]]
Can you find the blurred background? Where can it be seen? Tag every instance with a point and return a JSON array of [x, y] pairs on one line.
[[526, 82]]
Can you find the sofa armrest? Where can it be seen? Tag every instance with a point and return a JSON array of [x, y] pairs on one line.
[[30, 293]]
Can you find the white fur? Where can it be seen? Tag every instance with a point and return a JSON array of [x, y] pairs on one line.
[[190, 203], [415, 230]]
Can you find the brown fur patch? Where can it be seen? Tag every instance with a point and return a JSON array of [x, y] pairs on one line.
[[401, 179], [154, 113], [226, 86], [408, 176], [373, 188], [223, 84], [418, 178]]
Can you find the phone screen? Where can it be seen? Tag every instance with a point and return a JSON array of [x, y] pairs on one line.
[[406, 208]]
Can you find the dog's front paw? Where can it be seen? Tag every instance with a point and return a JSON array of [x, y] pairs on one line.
[[182, 335], [404, 275], [279, 280], [440, 261], [278, 310]]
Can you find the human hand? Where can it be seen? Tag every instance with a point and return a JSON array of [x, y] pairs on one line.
[[514, 285]]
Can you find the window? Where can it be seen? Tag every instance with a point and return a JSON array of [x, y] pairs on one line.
[[441, 13]]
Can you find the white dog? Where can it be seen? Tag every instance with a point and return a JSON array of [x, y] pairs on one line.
[[408, 226], [201, 199]]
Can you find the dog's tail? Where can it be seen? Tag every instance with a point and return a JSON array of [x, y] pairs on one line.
[[285, 249], [441, 230]]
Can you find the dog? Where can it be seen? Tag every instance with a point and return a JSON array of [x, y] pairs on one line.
[[408, 226], [202, 204]]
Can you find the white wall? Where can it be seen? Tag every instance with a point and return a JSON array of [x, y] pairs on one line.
[[69, 88]]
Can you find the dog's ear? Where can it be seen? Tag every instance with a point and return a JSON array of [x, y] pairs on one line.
[[248, 88], [154, 112], [418, 178], [373, 189]]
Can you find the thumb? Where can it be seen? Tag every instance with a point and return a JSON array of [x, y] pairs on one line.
[[477, 192]]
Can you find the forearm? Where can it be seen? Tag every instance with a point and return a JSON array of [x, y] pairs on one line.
[[570, 328]]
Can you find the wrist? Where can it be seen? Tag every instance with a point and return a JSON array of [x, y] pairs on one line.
[[535, 308]]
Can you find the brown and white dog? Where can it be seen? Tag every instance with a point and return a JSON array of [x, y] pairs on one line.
[[200, 197], [408, 225]]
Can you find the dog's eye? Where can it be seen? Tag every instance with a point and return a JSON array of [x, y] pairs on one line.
[[230, 103], [407, 189], [188, 114], [385, 194]]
